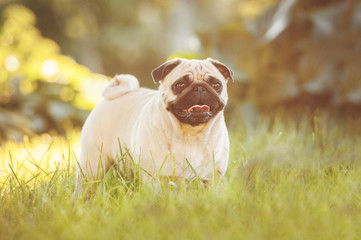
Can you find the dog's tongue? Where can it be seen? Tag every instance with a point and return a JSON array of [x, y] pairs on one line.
[[200, 108]]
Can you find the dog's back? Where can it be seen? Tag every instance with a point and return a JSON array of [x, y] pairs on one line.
[[123, 101]]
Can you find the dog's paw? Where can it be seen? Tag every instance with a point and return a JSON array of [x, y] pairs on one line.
[[119, 85]]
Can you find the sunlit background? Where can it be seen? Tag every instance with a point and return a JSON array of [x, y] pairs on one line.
[[57, 55]]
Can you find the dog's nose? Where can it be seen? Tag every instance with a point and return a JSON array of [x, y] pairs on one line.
[[199, 89]]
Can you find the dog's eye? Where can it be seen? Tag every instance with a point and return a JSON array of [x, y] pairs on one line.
[[180, 86], [216, 86]]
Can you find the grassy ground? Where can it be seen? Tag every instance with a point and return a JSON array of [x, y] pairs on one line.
[[285, 181]]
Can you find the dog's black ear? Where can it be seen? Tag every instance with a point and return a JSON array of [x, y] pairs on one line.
[[163, 70], [223, 69]]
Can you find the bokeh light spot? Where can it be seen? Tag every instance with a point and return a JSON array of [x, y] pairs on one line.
[[11, 63], [49, 68]]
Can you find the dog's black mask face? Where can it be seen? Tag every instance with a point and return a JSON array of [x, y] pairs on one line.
[[197, 101]]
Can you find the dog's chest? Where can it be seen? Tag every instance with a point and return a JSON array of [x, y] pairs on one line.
[[192, 153]]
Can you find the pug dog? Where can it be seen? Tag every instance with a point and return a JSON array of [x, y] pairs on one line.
[[176, 131]]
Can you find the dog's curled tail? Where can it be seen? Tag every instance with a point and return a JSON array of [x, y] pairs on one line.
[[119, 85]]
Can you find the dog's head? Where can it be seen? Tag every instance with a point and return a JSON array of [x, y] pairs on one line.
[[193, 90]]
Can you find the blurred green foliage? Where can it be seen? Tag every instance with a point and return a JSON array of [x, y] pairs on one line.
[[40, 89], [107, 36]]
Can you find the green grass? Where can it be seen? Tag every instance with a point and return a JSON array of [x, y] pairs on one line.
[[286, 180]]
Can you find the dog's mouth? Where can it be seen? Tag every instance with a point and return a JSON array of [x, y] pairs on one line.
[[197, 109], [195, 114]]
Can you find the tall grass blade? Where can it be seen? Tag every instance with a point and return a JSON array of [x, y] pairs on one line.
[[161, 167], [195, 173], [16, 178]]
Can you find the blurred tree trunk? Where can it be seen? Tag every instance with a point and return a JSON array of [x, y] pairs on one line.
[[181, 32], [90, 55]]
